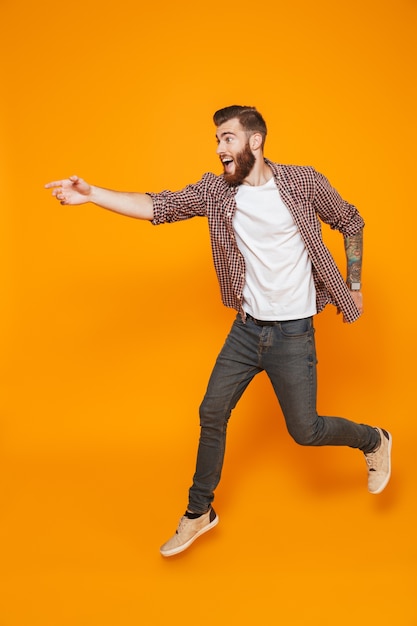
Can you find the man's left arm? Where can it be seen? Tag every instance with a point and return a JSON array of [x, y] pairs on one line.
[[344, 217], [354, 253]]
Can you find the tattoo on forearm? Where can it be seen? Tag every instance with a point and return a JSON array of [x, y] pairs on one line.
[[354, 249]]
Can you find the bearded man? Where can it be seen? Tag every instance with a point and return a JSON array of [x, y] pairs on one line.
[[275, 271]]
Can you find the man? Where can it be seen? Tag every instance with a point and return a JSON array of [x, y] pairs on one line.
[[275, 270]]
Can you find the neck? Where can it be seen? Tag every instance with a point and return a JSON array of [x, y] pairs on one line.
[[259, 174]]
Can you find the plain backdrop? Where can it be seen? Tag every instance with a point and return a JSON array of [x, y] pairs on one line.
[[110, 326]]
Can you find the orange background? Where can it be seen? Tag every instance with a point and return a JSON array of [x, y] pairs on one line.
[[109, 327]]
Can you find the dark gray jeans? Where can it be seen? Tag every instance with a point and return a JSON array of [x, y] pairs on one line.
[[286, 352]]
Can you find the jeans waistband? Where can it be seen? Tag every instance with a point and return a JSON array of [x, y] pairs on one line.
[[262, 322], [268, 322]]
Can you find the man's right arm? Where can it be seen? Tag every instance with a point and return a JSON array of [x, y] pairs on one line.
[[75, 190]]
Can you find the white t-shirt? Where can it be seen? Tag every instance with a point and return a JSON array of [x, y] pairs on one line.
[[279, 282]]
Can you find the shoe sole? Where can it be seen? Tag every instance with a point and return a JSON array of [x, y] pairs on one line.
[[190, 541], [386, 481]]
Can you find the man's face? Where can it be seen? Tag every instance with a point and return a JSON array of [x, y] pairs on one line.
[[234, 152]]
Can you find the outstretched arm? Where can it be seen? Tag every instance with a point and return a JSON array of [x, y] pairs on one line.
[[354, 252], [75, 190]]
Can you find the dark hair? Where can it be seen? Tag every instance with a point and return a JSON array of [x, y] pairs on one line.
[[250, 119]]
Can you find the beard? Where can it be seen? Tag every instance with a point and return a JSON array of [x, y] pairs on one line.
[[244, 162]]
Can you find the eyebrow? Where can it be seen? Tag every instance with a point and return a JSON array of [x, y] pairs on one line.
[[226, 132]]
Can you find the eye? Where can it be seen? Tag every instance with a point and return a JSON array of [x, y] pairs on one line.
[[229, 139]]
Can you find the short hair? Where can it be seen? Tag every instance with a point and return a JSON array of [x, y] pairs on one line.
[[250, 119]]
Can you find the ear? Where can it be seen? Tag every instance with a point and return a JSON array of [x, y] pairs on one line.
[[255, 141]]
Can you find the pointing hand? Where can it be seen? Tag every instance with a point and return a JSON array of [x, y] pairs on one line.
[[72, 190]]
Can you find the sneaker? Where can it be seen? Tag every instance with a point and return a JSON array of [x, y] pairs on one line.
[[188, 530], [379, 463]]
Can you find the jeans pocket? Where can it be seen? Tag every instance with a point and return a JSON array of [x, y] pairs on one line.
[[297, 328]]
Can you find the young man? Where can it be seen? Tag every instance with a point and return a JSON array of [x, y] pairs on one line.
[[275, 271]]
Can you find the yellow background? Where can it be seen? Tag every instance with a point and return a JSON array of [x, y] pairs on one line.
[[109, 327]]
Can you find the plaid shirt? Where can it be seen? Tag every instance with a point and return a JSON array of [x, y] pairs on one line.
[[307, 194]]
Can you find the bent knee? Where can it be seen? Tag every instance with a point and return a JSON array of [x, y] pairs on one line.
[[305, 435], [211, 414]]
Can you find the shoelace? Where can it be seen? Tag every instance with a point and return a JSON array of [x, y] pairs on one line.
[[182, 523], [372, 458], [370, 462]]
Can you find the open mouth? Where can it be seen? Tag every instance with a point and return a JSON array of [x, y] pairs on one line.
[[227, 164]]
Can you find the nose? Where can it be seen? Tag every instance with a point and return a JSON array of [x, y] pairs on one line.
[[220, 147]]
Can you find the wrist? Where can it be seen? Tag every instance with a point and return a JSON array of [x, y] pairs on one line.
[[354, 285], [93, 195]]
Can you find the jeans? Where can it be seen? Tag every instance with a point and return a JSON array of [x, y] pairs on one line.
[[286, 352]]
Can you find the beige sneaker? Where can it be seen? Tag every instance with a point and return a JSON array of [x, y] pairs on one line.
[[379, 464], [188, 530]]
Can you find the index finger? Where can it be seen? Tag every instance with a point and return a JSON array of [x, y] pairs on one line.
[[54, 183]]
